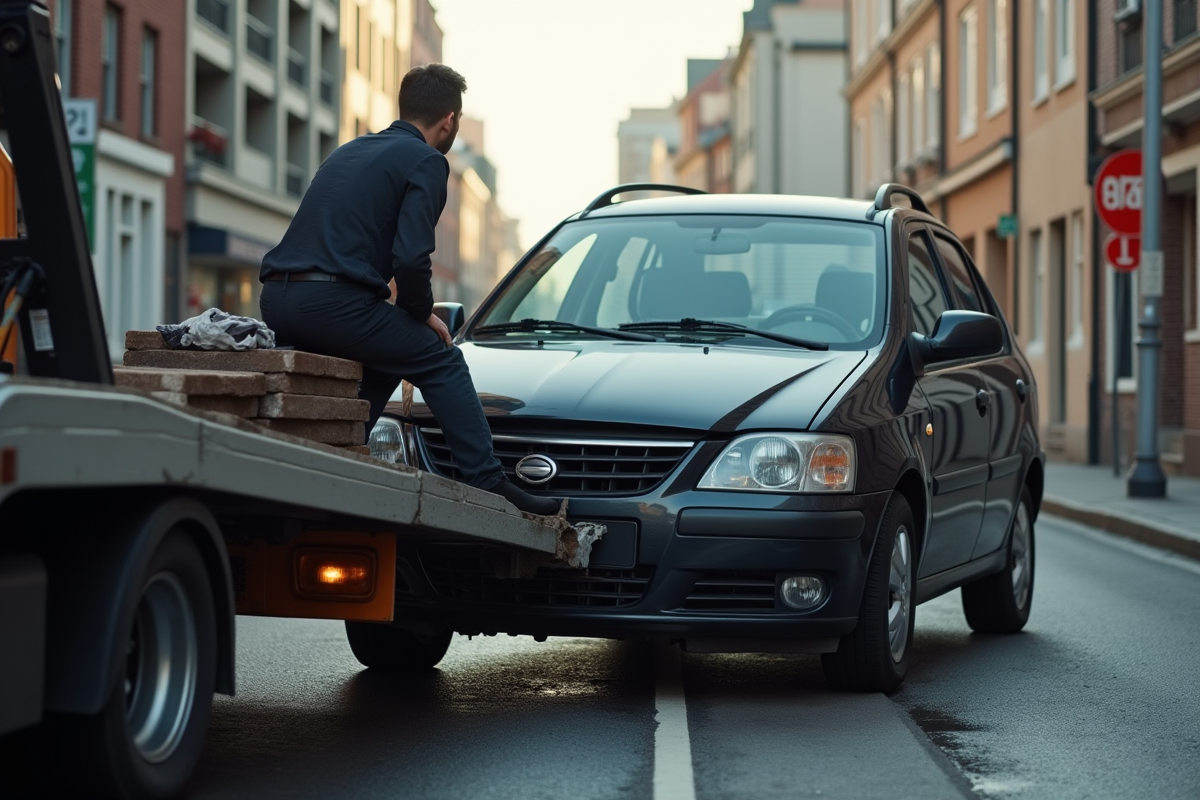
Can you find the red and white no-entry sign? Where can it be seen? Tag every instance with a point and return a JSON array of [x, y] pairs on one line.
[[1123, 253], [1118, 188]]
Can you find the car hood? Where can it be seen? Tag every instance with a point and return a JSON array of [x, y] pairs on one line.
[[671, 385]]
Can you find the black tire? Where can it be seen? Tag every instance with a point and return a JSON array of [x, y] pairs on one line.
[[386, 647], [1000, 603], [128, 750], [864, 661]]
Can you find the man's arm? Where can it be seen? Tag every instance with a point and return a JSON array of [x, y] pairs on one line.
[[420, 209]]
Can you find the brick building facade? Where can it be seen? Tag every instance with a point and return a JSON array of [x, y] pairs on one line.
[[129, 57]]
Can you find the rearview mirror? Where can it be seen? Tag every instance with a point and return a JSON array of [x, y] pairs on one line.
[[960, 334], [452, 314], [723, 243]]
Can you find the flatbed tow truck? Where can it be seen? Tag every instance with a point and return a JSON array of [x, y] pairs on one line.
[[132, 532]]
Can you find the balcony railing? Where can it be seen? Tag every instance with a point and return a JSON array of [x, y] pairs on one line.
[[260, 39], [1185, 18], [297, 68], [326, 88], [295, 180], [210, 142], [215, 13]]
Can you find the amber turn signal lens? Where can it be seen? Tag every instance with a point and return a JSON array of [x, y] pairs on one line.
[[830, 465], [327, 572]]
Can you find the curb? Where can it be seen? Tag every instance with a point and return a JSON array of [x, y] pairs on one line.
[[1161, 536]]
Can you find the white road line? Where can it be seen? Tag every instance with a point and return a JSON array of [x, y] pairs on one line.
[[1121, 543], [673, 777]]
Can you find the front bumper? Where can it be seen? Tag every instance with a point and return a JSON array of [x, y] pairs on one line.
[[696, 564]]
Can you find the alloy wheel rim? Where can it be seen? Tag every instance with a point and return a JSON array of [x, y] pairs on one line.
[[160, 671], [1021, 557], [899, 594]]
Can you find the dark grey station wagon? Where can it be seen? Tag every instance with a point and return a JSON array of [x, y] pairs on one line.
[[798, 417]]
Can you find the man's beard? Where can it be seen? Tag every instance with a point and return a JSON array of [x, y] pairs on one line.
[[444, 146]]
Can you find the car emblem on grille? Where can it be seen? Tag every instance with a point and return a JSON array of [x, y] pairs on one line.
[[536, 469]]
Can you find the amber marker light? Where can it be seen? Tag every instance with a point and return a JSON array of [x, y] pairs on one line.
[[325, 572]]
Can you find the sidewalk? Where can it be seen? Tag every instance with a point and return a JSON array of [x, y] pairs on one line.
[[1091, 495]]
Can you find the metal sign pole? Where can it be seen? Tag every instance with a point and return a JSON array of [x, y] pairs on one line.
[[1147, 479]]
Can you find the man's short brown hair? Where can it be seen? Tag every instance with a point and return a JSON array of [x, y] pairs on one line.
[[429, 92]]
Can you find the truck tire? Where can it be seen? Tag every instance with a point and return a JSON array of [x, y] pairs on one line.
[[146, 740], [386, 647], [874, 656], [1000, 603]]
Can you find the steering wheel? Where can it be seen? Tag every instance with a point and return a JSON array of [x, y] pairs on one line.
[[820, 313]]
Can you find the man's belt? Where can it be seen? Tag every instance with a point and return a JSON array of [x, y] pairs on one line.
[[307, 276]]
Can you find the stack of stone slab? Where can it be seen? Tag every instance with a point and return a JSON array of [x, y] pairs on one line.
[[289, 391]]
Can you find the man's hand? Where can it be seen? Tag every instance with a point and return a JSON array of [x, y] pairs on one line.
[[440, 329]]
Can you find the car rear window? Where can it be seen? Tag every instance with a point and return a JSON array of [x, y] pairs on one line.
[[813, 279]]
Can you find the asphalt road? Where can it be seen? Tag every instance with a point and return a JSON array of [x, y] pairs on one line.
[[1098, 698]]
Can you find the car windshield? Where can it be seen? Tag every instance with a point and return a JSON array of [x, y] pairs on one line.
[[811, 279]]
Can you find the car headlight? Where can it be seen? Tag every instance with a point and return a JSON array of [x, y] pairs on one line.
[[784, 462], [390, 441]]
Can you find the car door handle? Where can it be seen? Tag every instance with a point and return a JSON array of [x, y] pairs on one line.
[[982, 399], [1022, 389]]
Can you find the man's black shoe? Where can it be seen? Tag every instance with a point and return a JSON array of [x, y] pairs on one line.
[[523, 500]]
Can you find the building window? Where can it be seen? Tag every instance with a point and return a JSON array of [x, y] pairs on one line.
[[1037, 288], [918, 106], [968, 75], [149, 55], [997, 58], [1077, 272], [858, 165], [358, 48], [1064, 42], [880, 160], [860, 31], [62, 39], [883, 19], [903, 124], [1041, 70], [110, 62], [933, 97], [1185, 19], [1131, 46]]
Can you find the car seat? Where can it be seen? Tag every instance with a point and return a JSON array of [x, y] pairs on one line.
[[849, 294], [671, 294]]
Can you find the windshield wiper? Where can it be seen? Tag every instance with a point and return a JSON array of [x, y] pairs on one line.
[[535, 325], [689, 324]]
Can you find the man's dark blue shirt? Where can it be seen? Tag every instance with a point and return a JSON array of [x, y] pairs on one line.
[[369, 216]]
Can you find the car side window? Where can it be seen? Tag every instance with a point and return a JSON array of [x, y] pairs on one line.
[[926, 296], [969, 296]]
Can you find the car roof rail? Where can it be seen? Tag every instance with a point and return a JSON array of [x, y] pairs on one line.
[[883, 199], [606, 199]]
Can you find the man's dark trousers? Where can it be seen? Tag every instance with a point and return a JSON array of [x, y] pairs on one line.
[[350, 320]]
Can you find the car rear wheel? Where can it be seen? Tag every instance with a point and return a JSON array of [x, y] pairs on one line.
[[1000, 603], [385, 647], [874, 656]]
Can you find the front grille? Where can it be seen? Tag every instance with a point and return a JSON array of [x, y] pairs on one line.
[[732, 591], [466, 573], [585, 466]]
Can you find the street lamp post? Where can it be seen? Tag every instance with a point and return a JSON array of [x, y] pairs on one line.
[[1146, 478]]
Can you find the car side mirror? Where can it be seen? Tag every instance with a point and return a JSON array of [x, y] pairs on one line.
[[452, 314], [960, 334]]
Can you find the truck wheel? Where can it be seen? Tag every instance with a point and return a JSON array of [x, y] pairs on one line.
[[1000, 603], [874, 656], [147, 739], [382, 646]]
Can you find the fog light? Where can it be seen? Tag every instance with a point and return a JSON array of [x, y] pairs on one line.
[[802, 592], [335, 573]]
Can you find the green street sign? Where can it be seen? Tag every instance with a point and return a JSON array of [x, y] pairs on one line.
[[1006, 227], [81, 130]]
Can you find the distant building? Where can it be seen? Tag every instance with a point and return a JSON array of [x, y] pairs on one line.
[[130, 61], [262, 89], [376, 42], [704, 160], [788, 113], [646, 146]]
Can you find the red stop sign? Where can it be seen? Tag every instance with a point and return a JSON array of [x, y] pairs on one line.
[[1123, 253], [1118, 188]]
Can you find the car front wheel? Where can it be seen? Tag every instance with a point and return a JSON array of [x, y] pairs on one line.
[[1000, 603], [874, 656]]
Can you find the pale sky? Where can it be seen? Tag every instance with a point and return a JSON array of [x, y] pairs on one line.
[[552, 79]]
